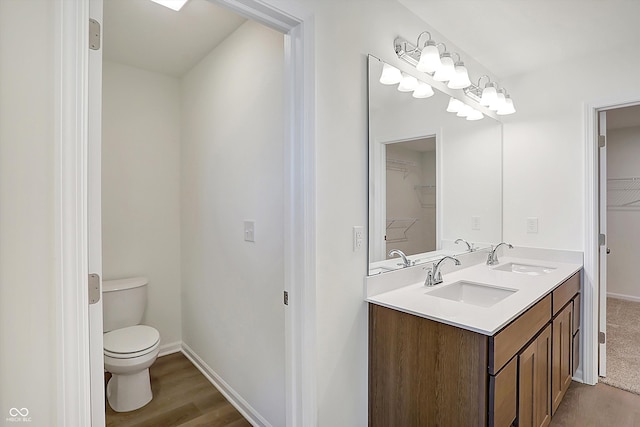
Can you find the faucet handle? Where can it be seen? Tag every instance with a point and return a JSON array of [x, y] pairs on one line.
[[428, 281]]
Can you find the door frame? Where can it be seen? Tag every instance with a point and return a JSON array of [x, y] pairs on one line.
[[72, 143], [591, 292]]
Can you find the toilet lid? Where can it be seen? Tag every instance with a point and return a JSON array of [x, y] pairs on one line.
[[131, 339]]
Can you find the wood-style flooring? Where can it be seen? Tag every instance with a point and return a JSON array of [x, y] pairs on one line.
[[182, 397], [597, 406]]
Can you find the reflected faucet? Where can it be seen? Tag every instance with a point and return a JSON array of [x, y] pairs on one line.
[[405, 260], [434, 277], [470, 247], [493, 255]]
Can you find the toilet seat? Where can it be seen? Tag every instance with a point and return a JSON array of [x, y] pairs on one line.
[[130, 342]]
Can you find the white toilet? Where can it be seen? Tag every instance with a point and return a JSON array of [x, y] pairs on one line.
[[129, 348]]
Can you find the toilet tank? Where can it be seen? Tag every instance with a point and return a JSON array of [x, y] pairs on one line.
[[123, 302]]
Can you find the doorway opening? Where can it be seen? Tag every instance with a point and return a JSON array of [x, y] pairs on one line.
[[620, 223], [182, 174], [80, 367]]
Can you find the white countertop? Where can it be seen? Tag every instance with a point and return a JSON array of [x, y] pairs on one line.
[[414, 298]]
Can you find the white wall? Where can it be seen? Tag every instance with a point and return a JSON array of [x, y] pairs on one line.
[[232, 170], [623, 226], [141, 188], [544, 147], [345, 33], [27, 211]]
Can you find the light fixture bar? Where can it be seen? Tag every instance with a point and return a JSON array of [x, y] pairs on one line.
[[410, 53]]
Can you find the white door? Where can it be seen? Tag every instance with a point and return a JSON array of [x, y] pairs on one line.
[[94, 221], [602, 177]]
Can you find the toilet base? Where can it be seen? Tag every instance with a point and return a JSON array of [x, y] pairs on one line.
[[129, 392]]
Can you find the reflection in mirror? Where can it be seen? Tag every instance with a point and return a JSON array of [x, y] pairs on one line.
[[434, 178], [411, 195]]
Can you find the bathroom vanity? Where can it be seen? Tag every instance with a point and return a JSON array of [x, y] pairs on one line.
[[499, 348]]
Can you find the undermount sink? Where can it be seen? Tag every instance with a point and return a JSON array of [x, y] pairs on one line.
[[531, 270], [472, 293]]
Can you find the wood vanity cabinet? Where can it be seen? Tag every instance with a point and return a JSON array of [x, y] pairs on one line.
[[562, 354], [423, 372]]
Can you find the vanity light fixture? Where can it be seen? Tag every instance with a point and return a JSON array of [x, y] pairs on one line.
[[423, 90], [426, 58], [489, 92], [171, 4], [499, 101], [429, 55], [460, 79], [390, 75], [447, 70], [475, 115], [454, 105], [463, 110], [408, 83], [507, 107]]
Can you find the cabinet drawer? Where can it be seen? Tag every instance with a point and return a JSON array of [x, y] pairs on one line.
[[565, 292], [503, 389], [506, 343], [576, 313]]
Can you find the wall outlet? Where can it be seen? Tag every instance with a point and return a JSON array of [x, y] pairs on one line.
[[358, 237], [532, 225], [249, 231], [475, 223]]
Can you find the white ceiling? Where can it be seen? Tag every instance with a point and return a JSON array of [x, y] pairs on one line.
[[150, 36], [510, 37]]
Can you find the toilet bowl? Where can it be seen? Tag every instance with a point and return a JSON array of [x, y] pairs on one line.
[[128, 354]]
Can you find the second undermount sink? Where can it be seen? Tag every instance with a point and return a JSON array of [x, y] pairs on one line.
[[472, 293], [528, 269]]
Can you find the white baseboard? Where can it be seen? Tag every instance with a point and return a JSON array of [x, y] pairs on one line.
[[227, 391], [170, 348], [623, 296]]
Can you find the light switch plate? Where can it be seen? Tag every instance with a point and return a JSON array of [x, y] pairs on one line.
[[532, 225], [249, 231], [475, 223]]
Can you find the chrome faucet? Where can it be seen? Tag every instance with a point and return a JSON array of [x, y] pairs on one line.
[[493, 255], [434, 277], [470, 247], [405, 260]]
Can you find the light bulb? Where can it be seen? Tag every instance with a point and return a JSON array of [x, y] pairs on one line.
[[460, 79], [423, 90], [507, 108], [390, 75], [408, 83], [499, 102], [454, 105], [429, 58], [489, 94], [475, 115], [465, 111], [447, 70]]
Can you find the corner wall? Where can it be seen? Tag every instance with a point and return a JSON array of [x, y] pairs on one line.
[[141, 188], [544, 145]]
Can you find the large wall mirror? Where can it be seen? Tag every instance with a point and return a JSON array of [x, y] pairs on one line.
[[434, 177]]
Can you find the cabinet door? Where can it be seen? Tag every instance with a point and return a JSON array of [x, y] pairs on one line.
[[534, 390], [562, 355], [502, 395]]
